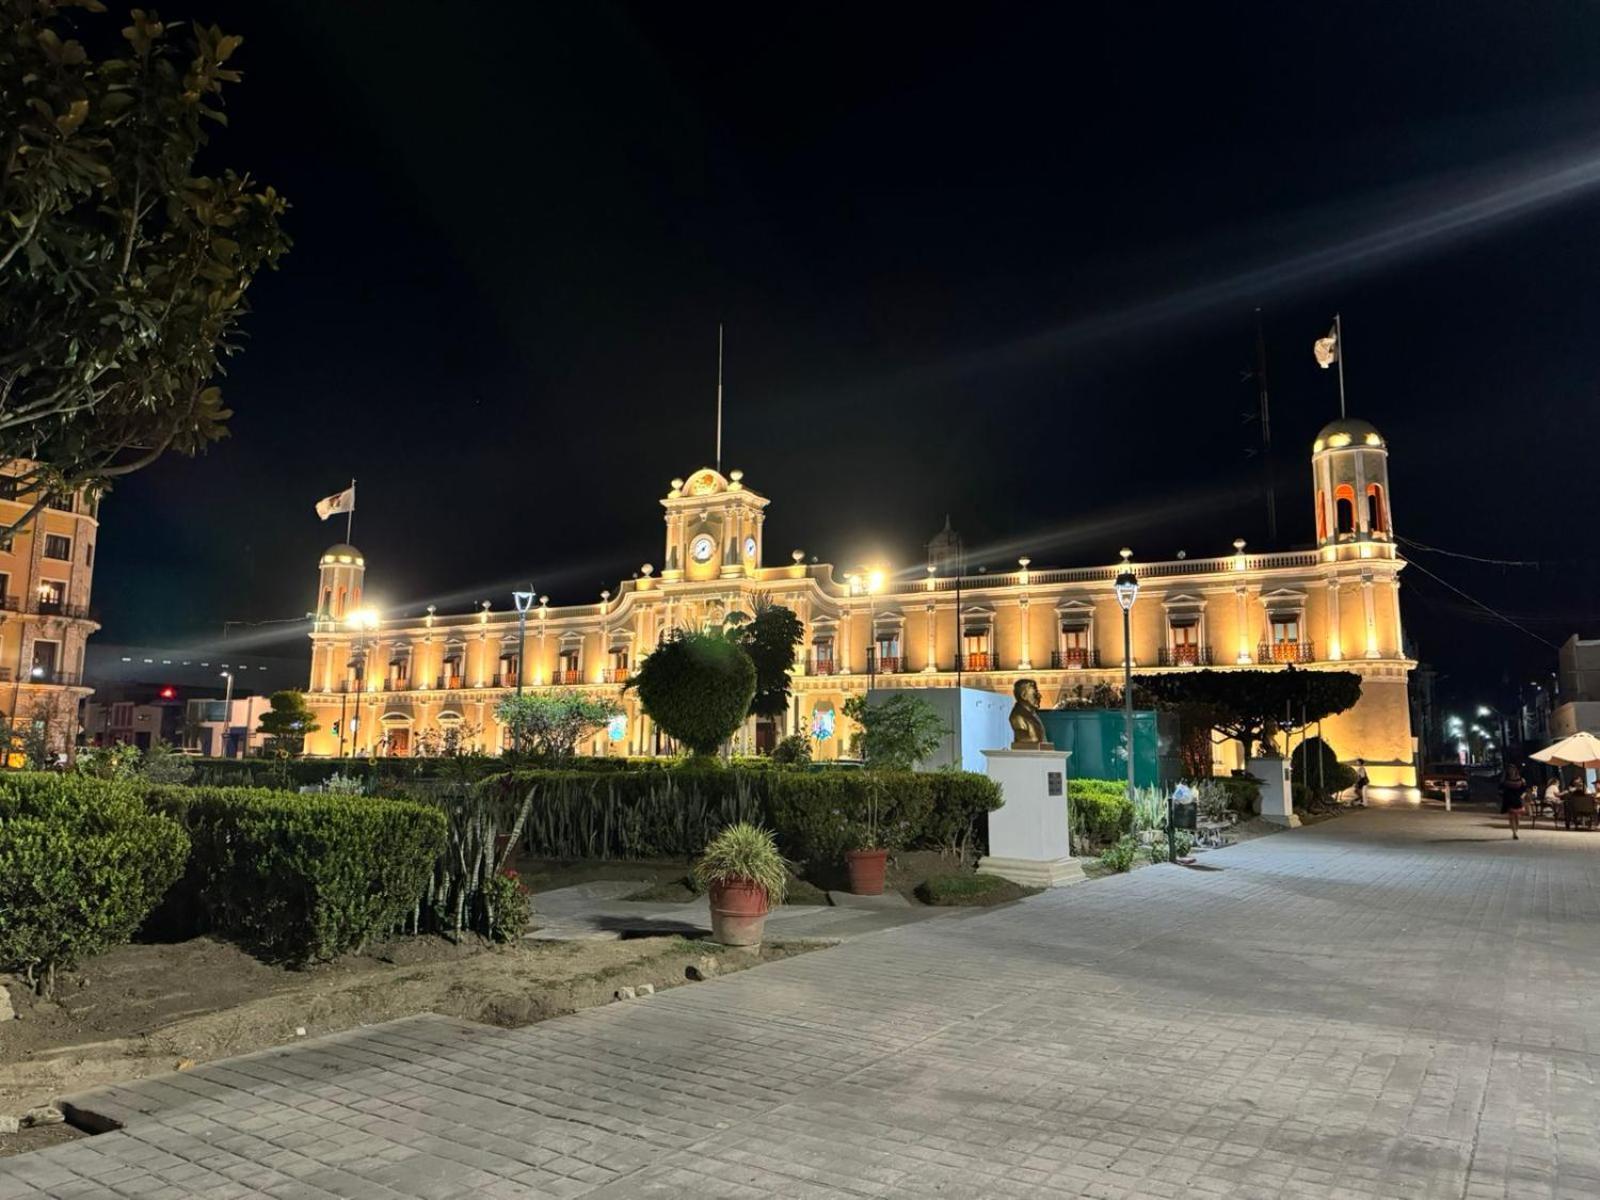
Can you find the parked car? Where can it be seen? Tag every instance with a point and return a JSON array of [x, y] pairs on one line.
[[1438, 777]]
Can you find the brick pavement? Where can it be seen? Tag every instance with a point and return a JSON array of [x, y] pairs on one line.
[[1394, 1004]]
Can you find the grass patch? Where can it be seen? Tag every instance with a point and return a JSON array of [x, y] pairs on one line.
[[970, 889]]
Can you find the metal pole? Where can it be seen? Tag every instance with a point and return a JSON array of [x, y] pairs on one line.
[[227, 714], [1127, 691], [872, 638], [522, 644], [343, 695], [1338, 345]]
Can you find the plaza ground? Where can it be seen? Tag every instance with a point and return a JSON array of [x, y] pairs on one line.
[[1393, 1004]]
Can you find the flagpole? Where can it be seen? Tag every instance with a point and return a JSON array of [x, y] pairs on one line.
[[350, 516], [719, 397], [1338, 345]]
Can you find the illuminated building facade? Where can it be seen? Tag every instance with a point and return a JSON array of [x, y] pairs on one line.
[[381, 685], [46, 575]]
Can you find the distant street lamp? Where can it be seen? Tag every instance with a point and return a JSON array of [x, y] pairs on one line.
[[523, 601], [363, 621], [1127, 589], [227, 714]]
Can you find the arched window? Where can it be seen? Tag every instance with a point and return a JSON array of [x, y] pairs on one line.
[[338, 603], [1344, 509], [1377, 517], [327, 602]]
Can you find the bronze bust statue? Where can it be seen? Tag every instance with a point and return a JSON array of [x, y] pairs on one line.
[[1026, 728]]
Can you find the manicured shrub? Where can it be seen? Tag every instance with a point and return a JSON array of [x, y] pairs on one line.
[[697, 687], [817, 814], [506, 899], [1101, 810], [792, 751], [82, 862], [1315, 765], [304, 877]]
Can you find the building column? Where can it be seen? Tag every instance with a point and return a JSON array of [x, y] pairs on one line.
[[1335, 650], [1025, 663], [1241, 596], [1371, 615], [932, 639], [1394, 596]]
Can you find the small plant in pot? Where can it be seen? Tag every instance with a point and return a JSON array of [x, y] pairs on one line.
[[745, 875], [869, 864]]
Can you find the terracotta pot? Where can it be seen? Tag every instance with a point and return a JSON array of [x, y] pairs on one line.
[[867, 869], [738, 913]]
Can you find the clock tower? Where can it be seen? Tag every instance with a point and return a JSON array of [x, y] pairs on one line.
[[713, 527]]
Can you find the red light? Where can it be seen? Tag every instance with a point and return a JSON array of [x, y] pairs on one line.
[[169, 693]]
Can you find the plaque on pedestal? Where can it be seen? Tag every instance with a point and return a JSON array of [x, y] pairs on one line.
[[1028, 838]]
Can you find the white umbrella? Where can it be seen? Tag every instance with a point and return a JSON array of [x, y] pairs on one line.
[[1579, 750]]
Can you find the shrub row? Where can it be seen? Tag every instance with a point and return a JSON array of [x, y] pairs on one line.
[[1101, 811], [82, 862], [817, 815], [301, 877]]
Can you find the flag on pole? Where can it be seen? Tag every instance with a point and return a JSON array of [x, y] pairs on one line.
[[339, 502], [1327, 348]]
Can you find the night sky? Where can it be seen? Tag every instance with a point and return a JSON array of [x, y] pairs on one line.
[[998, 263]]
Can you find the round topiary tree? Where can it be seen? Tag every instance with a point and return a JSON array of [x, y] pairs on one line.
[[697, 687]]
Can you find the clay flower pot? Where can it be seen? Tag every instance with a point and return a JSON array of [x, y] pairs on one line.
[[738, 912], [867, 869]]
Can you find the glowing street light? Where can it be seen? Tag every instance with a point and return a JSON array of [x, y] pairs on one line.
[[870, 580], [363, 621], [523, 601]]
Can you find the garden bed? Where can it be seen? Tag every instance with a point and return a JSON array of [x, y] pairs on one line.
[[143, 1010]]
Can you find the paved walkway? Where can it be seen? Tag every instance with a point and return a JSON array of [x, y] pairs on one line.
[[1393, 1004], [593, 911]]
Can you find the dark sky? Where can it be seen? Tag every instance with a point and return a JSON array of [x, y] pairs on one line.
[[1000, 263]]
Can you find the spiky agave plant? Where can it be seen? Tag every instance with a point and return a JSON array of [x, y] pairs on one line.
[[744, 851]]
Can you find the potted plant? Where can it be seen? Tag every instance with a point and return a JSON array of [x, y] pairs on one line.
[[745, 875], [868, 864]]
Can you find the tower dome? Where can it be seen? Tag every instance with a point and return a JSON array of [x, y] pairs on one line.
[[340, 572], [1350, 480]]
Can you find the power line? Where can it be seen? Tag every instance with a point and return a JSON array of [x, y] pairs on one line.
[[1495, 562], [1493, 612]]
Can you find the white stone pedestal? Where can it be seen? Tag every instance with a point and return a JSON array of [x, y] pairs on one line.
[[1028, 839], [1277, 797]]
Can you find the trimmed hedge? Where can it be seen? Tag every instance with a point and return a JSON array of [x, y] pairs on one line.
[[303, 877], [817, 815], [82, 862], [1101, 810]]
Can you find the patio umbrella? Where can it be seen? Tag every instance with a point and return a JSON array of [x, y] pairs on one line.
[[1579, 750]]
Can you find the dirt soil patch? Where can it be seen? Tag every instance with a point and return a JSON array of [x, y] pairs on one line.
[[147, 1009]]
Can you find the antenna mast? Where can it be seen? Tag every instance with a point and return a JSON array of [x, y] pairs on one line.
[[719, 397]]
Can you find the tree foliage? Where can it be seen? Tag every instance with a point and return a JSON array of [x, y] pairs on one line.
[[896, 733], [697, 687], [1315, 764], [288, 721], [1247, 705], [770, 637], [550, 727], [123, 272]]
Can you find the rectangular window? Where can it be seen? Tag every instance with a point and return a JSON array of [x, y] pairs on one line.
[[45, 656], [1285, 630], [59, 503], [8, 487], [1074, 639], [58, 547], [52, 595], [88, 554], [8, 544]]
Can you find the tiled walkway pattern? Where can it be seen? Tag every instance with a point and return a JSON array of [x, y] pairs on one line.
[[1393, 1004]]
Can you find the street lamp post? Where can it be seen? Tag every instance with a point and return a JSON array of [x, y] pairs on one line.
[[227, 713], [363, 621], [872, 580], [1127, 589], [523, 601]]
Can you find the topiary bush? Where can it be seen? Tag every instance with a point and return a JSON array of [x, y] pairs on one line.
[[82, 862], [1101, 811], [1315, 766], [304, 878], [697, 687]]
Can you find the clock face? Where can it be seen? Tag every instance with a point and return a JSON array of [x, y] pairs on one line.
[[749, 547], [701, 549]]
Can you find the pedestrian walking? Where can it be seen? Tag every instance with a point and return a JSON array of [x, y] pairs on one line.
[[1361, 783], [1512, 785]]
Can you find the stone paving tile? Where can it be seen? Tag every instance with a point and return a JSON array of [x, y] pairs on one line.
[[1396, 1004]]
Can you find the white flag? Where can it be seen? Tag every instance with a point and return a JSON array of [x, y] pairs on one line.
[[1327, 348], [339, 502]]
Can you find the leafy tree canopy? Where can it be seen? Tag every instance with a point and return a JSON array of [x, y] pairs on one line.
[[1245, 705], [770, 637], [288, 721], [898, 732], [550, 727], [123, 272], [697, 687]]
